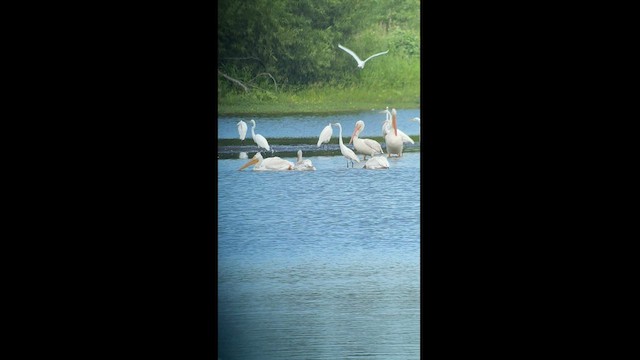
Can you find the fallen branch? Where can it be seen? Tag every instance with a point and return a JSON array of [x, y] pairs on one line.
[[238, 82], [269, 75]]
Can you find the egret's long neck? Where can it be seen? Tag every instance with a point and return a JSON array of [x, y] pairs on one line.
[[340, 134], [253, 133]]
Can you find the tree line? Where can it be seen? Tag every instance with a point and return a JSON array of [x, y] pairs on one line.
[[280, 44]]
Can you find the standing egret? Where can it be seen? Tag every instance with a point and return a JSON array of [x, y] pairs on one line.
[[346, 152], [269, 164], [360, 62], [303, 165], [364, 146], [325, 135], [377, 162], [260, 140], [417, 119], [392, 138], [242, 130]]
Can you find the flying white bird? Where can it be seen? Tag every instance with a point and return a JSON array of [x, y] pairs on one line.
[[325, 135], [242, 129], [360, 62], [393, 139], [364, 146], [260, 140], [346, 152], [303, 165], [269, 164], [377, 162]]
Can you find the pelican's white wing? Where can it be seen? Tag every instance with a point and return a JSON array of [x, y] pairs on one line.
[[377, 162], [351, 53], [405, 137], [373, 145], [274, 164]]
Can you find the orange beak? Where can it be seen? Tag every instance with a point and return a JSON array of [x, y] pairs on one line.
[[394, 123], [249, 163], [355, 131]]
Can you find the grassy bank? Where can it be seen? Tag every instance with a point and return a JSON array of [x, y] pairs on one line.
[[318, 100], [392, 81]]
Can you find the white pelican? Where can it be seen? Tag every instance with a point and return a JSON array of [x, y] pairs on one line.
[[303, 165], [377, 162], [242, 129], [360, 62], [269, 164], [386, 128], [260, 140], [392, 138], [364, 146], [346, 152], [325, 135]]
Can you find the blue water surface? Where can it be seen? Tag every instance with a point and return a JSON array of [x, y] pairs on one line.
[[319, 265], [312, 125]]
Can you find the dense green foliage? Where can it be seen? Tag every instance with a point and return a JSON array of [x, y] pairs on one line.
[[286, 51]]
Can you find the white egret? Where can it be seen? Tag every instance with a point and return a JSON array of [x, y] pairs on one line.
[[392, 139], [364, 146], [377, 162], [243, 155], [242, 130], [360, 62], [269, 164], [417, 119], [325, 135], [303, 165], [260, 140], [346, 152]]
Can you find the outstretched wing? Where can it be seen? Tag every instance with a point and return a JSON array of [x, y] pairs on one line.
[[351, 53], [378, 54]]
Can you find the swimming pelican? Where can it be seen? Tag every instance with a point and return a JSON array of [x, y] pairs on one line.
[[364, 146], [242, 130], [360, 62], [269, 164], [325, 135], [346, 152], [260, 140], [377, 162], [303, 165], [392, 138]]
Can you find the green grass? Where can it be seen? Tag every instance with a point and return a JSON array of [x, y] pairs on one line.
[[389, 81]]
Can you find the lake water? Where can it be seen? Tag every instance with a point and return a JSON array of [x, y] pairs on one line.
[[322, 264], [312, 125]]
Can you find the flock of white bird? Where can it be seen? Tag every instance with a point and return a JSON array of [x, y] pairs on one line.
[[394, 139]]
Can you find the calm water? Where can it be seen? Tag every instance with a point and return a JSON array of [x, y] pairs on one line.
[[305, 126], [319, 265]]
